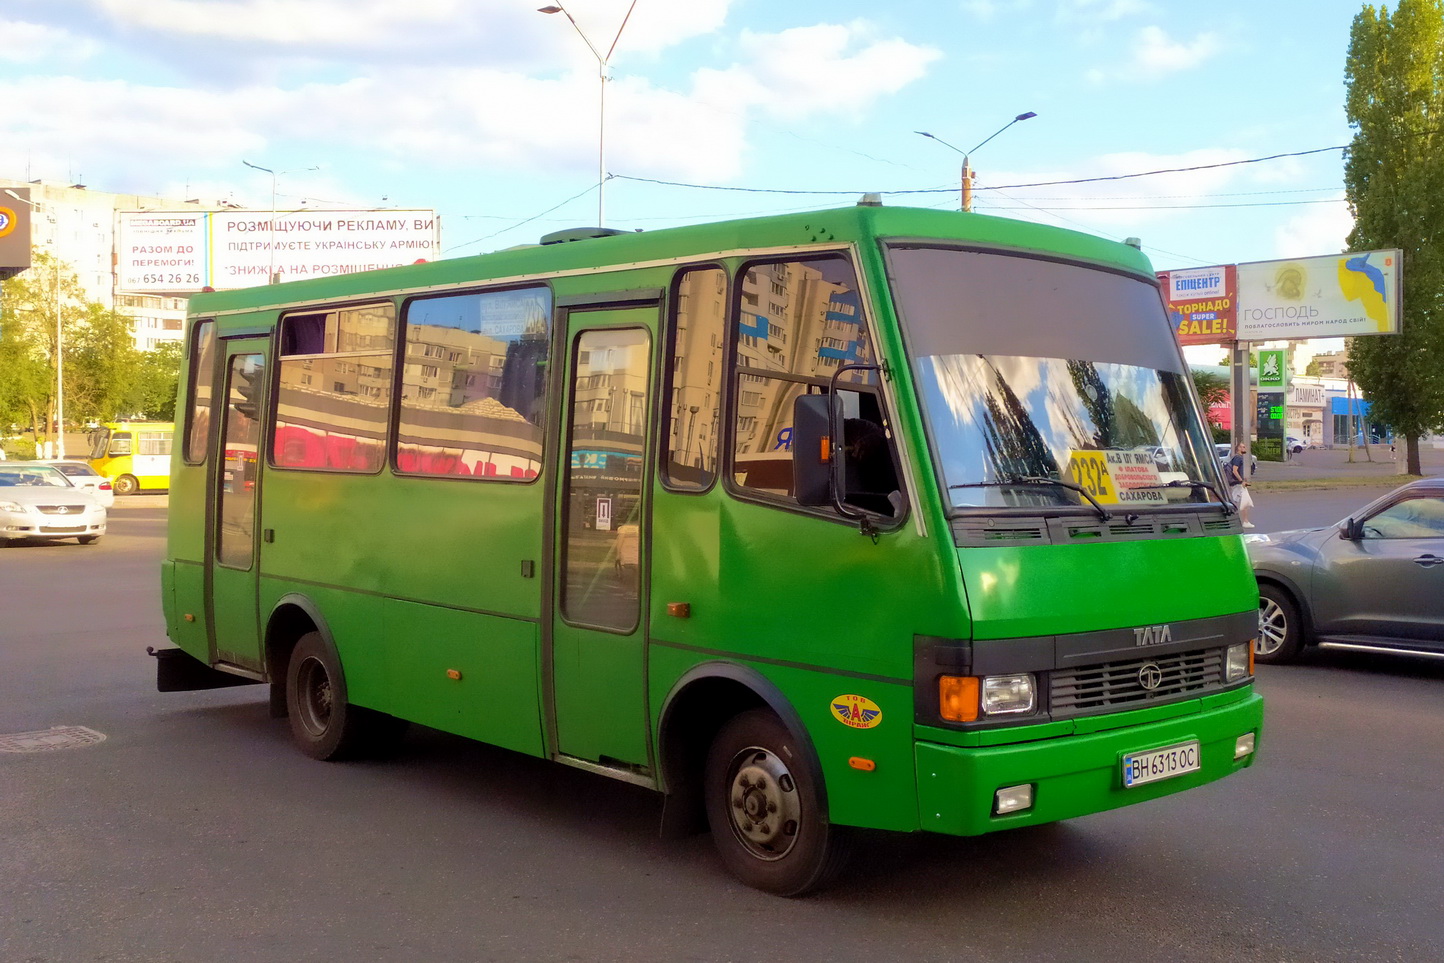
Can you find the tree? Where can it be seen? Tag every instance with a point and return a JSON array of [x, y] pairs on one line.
[[1212, 387], [28, 309], [153, 389], [100, 366], [1394, 182]]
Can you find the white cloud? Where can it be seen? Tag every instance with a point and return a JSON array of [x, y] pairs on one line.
[[1155, 55], [1322, 230], [827, 68], [32, 43], [430, 31]]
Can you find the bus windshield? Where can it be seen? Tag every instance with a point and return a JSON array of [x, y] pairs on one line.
[[1055, 380]]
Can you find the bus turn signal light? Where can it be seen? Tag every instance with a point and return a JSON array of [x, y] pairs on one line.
[[958, 698], [865, 765]]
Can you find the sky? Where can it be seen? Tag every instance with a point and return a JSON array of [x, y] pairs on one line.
[[487, 111]]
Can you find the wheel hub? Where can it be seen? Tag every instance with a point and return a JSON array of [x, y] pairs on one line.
[[1272, 627], [765, 807]]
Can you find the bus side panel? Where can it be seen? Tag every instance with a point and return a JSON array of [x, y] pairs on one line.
[[353, 621], [883, 797], [185, 560], [472, 675], [183, 596], [454, 542], [804, 589]]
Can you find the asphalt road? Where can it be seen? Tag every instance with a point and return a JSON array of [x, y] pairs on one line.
[[194, 832]]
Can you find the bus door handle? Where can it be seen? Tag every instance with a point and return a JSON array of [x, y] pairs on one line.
[[268, 535]]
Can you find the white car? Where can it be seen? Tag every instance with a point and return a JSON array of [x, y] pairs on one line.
[[82, 475], [39, 502]]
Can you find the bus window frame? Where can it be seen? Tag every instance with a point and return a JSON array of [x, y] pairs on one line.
[[273, 398], [192, 370], [565, 414], [393, 446], [668, 345], [887, 406]]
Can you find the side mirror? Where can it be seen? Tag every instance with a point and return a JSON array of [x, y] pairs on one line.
[[812, 450], [1351, 530]]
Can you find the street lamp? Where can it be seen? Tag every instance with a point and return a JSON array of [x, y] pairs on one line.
[[967, 169], [271, 274], [59, 448], [602, 64]]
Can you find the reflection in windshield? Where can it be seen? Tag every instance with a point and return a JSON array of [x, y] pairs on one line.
[[1116, 430]]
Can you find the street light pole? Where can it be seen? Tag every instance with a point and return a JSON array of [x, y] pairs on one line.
[[967, 186], [271, 274], [602, 64], [59, 445]]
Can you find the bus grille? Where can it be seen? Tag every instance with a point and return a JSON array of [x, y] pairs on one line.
[[1116, 684]]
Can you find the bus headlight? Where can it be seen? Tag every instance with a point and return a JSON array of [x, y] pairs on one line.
[[1008, 694], [1236, 662]]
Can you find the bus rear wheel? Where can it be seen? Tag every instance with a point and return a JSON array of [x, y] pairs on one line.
[[125, 485], [764, 809], [323, 723]]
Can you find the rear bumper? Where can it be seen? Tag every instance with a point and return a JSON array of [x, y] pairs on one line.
[[1078, 774]]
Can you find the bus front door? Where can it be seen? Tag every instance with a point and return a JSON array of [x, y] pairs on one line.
[[598, 630], [232, 565]]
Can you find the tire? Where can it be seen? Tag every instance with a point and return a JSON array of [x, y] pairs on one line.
[[1280, 627], [764, 808], [125, 485], [88, 539], [323, 723]]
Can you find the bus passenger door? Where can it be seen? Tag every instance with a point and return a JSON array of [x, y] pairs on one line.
[[232, 563], [598, 631]]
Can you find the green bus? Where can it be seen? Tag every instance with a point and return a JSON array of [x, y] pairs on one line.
[[876, 518]]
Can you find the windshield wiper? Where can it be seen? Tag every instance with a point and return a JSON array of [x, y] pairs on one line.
[[1022, 480], [1228, 506]]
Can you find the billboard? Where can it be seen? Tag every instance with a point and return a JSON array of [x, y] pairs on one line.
[[1334, 296], [180, 251], [1201, 303], [14, 230]]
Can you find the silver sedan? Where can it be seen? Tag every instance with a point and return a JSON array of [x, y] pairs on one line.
[[39, 502], [1372, 582]]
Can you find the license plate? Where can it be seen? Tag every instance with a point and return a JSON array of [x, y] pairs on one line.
[[1141, 768]]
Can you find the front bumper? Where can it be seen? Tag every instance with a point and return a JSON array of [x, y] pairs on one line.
[[14, 525], [1074, 775]]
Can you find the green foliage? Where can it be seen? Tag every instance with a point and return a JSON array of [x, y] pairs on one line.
[[153, 388], [28, 319], [1394, 181], [105, 376], [1212, 387], [100, 362]]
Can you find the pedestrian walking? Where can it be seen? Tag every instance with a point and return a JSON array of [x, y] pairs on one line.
[[1238, 485]]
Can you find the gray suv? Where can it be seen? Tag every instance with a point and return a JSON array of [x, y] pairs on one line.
[[1374, 581]]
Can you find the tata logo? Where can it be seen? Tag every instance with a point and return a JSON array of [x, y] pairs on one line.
[[1152, 635], [1150, 676]]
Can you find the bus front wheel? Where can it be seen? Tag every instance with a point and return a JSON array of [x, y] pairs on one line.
[[323, 723], [764, 808], [126, 485]]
